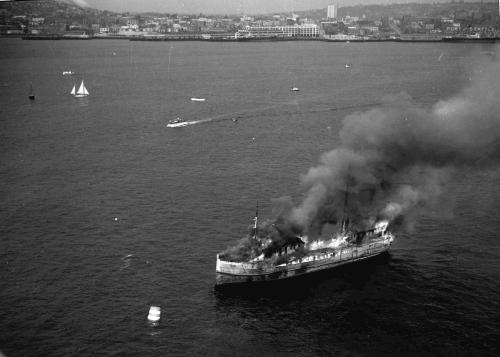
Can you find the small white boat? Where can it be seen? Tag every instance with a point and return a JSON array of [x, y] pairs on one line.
[[68, 73], [295, 89], [177, 122], [154, 314], [194, 99], [347, 65], [82, 91]]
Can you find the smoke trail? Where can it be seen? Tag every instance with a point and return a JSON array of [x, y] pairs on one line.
[[396, 159]]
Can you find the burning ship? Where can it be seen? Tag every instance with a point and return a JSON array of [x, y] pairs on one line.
[[267, 259]]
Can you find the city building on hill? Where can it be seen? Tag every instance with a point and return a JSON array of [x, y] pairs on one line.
[[456, 18], [331, 12]]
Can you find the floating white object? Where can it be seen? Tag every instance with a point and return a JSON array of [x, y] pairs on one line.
[[198, 99], [295, 89], [154, 313]]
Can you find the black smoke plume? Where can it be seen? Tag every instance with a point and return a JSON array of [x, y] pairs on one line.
[[392, 163], [395, 160]]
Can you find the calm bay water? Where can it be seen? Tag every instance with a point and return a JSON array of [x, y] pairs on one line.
[[105, 211]]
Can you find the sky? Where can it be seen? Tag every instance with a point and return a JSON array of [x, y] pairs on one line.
[[208, 7]]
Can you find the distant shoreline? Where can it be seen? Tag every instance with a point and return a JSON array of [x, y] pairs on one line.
[[216, 39]]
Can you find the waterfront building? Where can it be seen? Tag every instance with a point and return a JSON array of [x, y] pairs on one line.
[[306, 30]]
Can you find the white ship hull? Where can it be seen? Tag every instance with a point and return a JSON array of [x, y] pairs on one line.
[[249, 272]]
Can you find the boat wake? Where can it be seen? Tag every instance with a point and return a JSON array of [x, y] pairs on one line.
[[258, 112], [131, 260]]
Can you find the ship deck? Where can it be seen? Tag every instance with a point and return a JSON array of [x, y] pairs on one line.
[[326, 258]]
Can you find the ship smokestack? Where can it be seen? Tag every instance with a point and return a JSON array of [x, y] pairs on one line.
[[255, 225]]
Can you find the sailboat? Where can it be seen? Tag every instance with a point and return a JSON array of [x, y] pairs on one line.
[[31, 95], [82, 91]]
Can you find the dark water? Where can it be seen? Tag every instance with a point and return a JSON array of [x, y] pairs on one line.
[[106, 212]]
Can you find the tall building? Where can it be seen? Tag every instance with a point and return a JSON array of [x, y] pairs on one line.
[[332, 11]]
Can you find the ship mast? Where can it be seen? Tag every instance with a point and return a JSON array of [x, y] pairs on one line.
[[256, 221], [345, 220]]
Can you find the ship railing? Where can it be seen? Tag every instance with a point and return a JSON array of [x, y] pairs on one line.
[[337, 255]]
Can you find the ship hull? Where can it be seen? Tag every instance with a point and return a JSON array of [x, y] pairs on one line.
[[241, 273]]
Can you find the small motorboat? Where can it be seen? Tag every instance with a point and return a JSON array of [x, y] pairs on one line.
[[295, 89], [347, 65], [177, 122], [68, 73], [194, 99]]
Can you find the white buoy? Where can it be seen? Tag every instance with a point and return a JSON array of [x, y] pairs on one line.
[[154, 313]]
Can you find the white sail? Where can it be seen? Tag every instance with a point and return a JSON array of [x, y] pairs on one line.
[[73, 91], [82, 90]]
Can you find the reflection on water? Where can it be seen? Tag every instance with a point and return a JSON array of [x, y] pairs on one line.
[[349, 311], [315, 286], [83, 102], [153, 324], [323, 308]]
